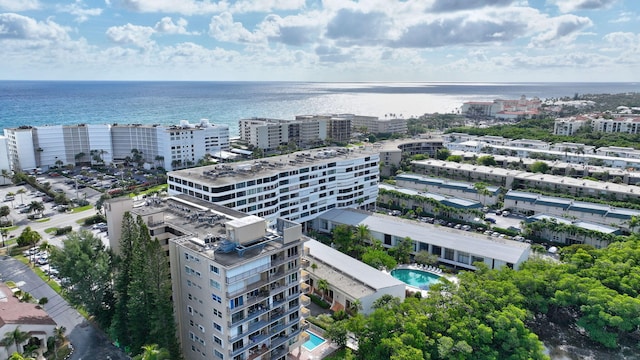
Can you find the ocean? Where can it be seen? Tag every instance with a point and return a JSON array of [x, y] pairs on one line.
[[38, 103]]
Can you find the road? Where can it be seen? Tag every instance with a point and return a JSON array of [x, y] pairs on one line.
[[88, 341]]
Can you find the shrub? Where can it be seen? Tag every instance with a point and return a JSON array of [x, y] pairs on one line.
[[95, 219], [63, 230], [318, 301]]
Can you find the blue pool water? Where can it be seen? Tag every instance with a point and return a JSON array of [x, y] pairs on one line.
[[416, 278], [313, 342]]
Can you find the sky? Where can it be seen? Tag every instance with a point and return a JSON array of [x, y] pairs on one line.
[[321, 40]]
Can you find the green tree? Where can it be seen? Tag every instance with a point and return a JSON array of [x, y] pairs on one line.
[[323, 287], [343, 238], [539, 167], [85, 266], [15, 338], [153, 352], [338, 333], [443, 154], [130, 235], [28, 237], [425, 258], [36, 206], [486, 160], [5, 211], [402, 250], [17, 356], [21, 192], [378, 258], [4, 232]]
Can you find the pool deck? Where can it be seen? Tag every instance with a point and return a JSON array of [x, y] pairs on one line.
[[320, 352]]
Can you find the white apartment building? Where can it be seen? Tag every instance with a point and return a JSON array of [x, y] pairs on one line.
[[237, 285], [630, 125], [375, 125], [171, 147], [304, 130], [237, 293], [569, 125], [297, 187], [503, 108], [5, 165]]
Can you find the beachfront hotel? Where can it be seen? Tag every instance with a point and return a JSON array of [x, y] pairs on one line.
[[297, 186], [176, 146], [236, 281]]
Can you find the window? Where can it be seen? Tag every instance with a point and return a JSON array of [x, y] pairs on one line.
[[217, 313], [448, 254], [218, 354], [217, 340], [214, 284], [217, 326], [190, 310]]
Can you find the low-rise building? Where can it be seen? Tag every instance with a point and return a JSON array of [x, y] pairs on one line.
[[569, 125], [569, 232], [602, 214], [487, 194], [26, 317], [375, 125], [348, 279], [453, 247], [393, 152]]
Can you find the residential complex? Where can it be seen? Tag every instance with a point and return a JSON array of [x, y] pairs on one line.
[[44, 147], [487, 195], [375, 125], [297, 187], [516, 179], [304, 131], [393, 152], [532, 204], [350, 281], [453, 247], [503, 109], [236, 282], [589, 233], [569, 125]]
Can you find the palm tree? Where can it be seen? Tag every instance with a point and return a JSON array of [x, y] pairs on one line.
[[152, 352], [43, 301], [355, 306], [362, 236], [160, 160], [481, 188], [36, 206], [323, 286], [4, 212], [11, 195], [15, 337], [20, 192], [18, 356], [4, 232], [79, 156], [58, 336]]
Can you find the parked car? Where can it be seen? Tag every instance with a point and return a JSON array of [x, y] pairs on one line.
[[491, 220], [506, 213]]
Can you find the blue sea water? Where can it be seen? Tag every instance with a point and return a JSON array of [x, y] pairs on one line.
[[39, 103]]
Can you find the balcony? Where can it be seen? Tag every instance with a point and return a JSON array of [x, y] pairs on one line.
[[305, 300], [304, 312], [304, 275]]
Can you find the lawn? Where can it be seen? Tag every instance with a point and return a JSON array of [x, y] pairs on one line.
[[81, 208]]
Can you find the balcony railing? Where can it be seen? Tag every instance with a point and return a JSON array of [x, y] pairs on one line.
[[305, 312], [305, 300]]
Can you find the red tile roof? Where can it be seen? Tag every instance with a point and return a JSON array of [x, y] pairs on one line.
[[12, 311]]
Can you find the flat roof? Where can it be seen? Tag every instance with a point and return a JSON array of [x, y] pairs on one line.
[[476, 244], [225, 174], [444, 182], [570, 205], [581, 224], [351, 276]]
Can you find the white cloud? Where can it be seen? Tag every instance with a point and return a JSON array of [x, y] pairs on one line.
[[19, 27], [266, 6], [79, 10], [129, 34], [574, 5], [20, 5], [184, 7], [223, 28], [167, 26], [560, 30]]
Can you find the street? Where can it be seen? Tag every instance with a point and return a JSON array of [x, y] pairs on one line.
[[88, 341]]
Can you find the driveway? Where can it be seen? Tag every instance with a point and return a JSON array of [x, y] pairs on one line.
[[88, 341]]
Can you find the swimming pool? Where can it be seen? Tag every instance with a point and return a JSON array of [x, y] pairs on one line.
[[313, 342], [416, 278]]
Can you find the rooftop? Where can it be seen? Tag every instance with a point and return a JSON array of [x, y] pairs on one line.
[[224, 174], [477, 244], [346, 273], [12, 311]]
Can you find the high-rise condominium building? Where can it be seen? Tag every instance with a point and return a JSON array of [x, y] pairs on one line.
[[297, 187], [237, 286], [167, 146]]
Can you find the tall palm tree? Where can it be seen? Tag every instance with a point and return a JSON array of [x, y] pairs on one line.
[[11, 195], [355, 306], [4, 232], [152, 352], [58, 336], [15, 338], [323, 286], [20, 192]]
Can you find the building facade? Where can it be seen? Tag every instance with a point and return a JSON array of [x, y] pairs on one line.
[[453, 247], [297, 187], [171, 147], [375, 125]]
